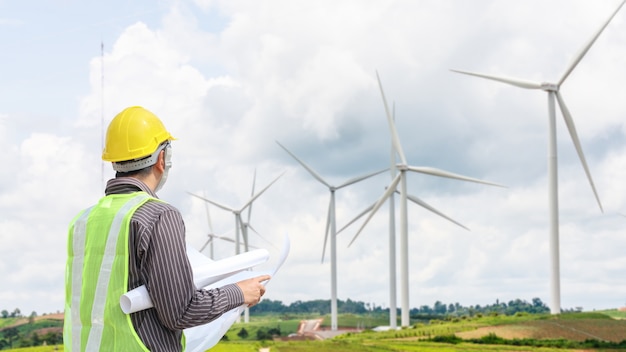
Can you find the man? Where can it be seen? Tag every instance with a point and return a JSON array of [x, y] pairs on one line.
[[131, 238]]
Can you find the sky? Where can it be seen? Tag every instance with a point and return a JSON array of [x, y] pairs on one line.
[[229, 79]]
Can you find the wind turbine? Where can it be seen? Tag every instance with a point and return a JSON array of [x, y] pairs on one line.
[[213, 236], [553, 202], [239, 224], [332, 226], [400, 179], [393, 319]]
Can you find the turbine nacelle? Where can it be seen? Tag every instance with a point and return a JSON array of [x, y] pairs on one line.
[[402, 167], [549, 87]]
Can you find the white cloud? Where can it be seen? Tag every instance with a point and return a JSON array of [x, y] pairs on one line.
[[230, 78]]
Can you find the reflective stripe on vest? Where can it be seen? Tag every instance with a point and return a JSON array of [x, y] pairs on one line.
[[98, 304], [78, 242]]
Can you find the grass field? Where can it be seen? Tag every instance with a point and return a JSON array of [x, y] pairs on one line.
[[601, 326]]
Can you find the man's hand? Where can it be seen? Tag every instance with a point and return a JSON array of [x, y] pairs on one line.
[[252, 289]]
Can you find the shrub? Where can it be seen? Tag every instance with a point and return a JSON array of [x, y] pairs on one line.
[[243, 333], [452, 339]]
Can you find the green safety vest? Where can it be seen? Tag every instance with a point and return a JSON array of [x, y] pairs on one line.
[[96, 276]]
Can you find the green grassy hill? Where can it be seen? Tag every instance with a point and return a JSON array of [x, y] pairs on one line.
[[593, 331]]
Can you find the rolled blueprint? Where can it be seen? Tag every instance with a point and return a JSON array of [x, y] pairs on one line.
[[205, 273]]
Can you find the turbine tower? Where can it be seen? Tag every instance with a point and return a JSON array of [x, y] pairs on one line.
[[553, 94], [400, 179], [332, 226]]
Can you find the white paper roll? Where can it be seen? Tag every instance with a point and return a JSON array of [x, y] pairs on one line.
[[205, 272]]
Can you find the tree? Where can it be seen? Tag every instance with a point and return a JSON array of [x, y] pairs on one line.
[[10, 334], [31, 317], [451, 308], [268, 305], [243, 333], [425, 309], [53, 338], [539, 306], [16, 313], [5, 313], [36, 341], [439, 308]]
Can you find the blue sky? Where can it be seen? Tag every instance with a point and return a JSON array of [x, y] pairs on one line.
[[229, 78]]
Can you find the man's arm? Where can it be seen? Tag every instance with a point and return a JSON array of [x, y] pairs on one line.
[[178, 302]]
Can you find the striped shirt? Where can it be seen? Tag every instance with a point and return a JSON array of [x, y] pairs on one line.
[[158, 259]]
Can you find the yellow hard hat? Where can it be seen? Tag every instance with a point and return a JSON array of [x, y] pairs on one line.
[[132, 134]]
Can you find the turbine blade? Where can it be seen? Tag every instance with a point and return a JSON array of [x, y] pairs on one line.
[[357, 217], [208, 214], [251, 195], [223, 238], [442, 173], [205, 244], [379, 203], [309, 169], [261, 237], [508, 80], [258, 194], [572, 132], [428, 207], [392, 126], [327, 231], [586, 48], [212, 202], [361, 178]]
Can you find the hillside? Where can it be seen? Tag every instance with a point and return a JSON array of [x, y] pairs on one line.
[[596, 331], [45, 329], [23, 320], [575, 328]]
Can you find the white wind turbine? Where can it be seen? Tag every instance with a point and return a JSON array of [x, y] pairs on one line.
[[553, 93], [212, 236], [400, 178], [239, 224], [332, 226], [393, 319]]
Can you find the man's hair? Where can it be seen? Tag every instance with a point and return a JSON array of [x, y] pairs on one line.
[[136, 173]]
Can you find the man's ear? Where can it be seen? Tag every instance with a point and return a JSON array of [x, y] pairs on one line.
[[160, 164]]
